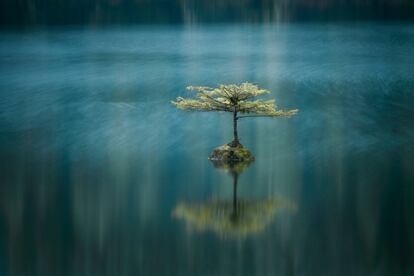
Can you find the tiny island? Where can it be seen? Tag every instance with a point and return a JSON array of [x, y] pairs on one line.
[[240, 100]]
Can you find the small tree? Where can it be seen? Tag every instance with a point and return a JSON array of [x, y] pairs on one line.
[[237, 99]]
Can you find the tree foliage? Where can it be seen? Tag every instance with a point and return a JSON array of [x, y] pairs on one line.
[[232, 98]]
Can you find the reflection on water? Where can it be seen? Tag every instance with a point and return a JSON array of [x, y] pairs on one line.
[[94, 158], [236, 218]]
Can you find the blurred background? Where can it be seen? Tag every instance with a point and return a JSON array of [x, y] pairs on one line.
[[97, 12], [101, 175]]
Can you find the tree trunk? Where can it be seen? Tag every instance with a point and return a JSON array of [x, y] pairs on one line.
[[235, 135], [235, 143]]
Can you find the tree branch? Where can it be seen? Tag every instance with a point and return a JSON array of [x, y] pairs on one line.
[[212, 99], [262, 115]]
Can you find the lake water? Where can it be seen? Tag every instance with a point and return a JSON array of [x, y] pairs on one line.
[[95, 161]]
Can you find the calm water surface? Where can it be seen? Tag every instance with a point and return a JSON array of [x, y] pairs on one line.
[[96, 164]]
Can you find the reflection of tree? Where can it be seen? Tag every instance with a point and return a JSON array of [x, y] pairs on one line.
[[106, 229], [236, 218]]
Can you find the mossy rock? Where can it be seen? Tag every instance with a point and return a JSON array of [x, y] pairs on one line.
[[231, 154]]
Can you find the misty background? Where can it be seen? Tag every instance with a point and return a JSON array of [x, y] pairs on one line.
[[98, 12]]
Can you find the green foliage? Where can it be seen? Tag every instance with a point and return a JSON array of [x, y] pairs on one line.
[[232, 98]]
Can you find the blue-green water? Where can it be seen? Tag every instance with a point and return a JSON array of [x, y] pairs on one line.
[[95, 159]]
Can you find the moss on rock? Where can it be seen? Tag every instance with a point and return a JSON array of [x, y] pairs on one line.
[[231, 154]]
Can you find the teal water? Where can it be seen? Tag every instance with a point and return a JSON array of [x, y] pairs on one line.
[[95, 159]]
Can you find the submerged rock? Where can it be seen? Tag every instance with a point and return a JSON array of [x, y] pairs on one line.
[[232, 167], [231, 153]]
